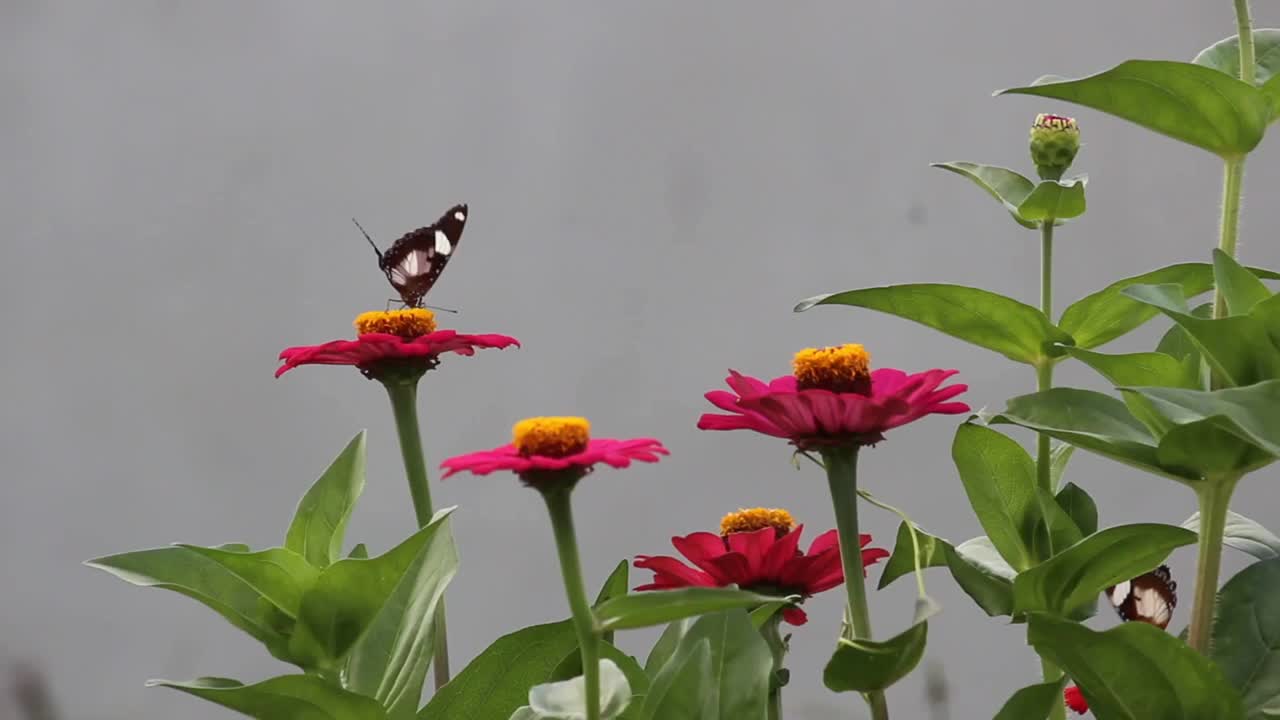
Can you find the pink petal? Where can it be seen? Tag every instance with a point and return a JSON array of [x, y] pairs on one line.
[[795, 616], [753, 546]]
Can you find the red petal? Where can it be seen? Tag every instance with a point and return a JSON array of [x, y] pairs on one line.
[[795, 616], [753, 546]]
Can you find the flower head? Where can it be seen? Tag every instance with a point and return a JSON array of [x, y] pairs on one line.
[[1055, 140], [756, 550], [833, 399], [543, 447], [394, 342], [1075, 700]]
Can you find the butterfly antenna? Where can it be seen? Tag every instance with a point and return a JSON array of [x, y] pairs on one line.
[[366, 237], [442, 309]]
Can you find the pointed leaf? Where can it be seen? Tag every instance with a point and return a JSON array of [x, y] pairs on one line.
[[983, 575], [1243, 534], [1033, 701], [321, 519], [1058, 458], [1246, 635], [679, 688], [1006, 186], [1080, 507], [664, 649], [616, 584], [1186, 102], [1014, 329], [1078, 574], [734, 685], [1241, 289], [1136, 671], [288, 697], [1054, 200], [1055, 530], [1000, 479], [903, 560], [1142, 368], [279, 575], [1224, 55], [359, 552], [868, 665], [662, 606]]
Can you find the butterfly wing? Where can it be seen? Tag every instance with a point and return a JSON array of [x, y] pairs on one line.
[[1148, 598], [414, 262]]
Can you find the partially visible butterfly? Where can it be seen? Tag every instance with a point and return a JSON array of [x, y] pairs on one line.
[[1148, 598], [414, 262]]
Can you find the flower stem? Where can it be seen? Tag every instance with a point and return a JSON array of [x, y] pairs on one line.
[[842, 478], [558, 505], [404, 405], [1244, 26], [1044, 452], [1215, 498], [773, 636]]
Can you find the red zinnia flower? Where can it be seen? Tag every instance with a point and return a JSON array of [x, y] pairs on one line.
[[832, 399], [1075, 700], [553, 444], [756, 550], [395, 339]]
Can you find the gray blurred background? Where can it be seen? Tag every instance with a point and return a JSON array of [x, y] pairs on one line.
[[652, 187]]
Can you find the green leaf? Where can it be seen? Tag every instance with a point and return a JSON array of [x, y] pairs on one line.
[[1224, 55], [733, 684], [1033, 701], [1055, 530], [903, 560], [351, 594], [868, 665], [983, 575], [616, 584], [321, 519], [497, 681], [196, 576], [679, 689], [1241, 289], [662, 606], [1076, 575], [1186, 102], [1058, 458], [1000, 479], [1272, 92], [1136, 672], [280, 575], [1210, 448], [389, 662], [1243, 534], [1079, 507], [1006, 186], [567, 699], [1141, 368], [1252, 412], [288, 697], [1246, 635], [1176, 343], [663, 650], [1054, 200], [1013, 329], [359, 552]]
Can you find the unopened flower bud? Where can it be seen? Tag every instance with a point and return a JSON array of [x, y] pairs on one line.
[[1055, 140]]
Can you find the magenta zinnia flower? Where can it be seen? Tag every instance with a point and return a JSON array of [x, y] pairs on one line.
[[756, 550], [833, 399], [1075, 700]]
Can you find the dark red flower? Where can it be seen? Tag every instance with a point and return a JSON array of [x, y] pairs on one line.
[[1075, 700], [554, 444], [765, 560]]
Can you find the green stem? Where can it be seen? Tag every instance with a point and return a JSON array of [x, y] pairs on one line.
[[1215, 498], [404, 405], [1044, 451], [557, 499], [777, 646], [842, 478], [1244, 26], [1232, 183]]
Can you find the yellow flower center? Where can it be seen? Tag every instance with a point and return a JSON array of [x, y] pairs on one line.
[[551, 436], [747, 520], [845, 369], [407, 323]]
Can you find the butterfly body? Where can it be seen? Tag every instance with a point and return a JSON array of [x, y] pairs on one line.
[[414, 262], [1148, 598]]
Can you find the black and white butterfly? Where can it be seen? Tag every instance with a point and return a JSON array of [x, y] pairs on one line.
[[1148, 598], [414, 262]]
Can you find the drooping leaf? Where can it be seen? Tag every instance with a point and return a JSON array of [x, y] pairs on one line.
[[1224, 55], [1078, 574], [903, 560], [1241, 289], [983, 575], [1246, 635], [1243, 534], [1014, 329], [567, 699], [278, 574], [1006, 186], [288, 697], [1210, 448], [1033, 701], [1136, 671], [1187, 102], [662, 606], [1080, 507], [733, 684], [320, 521], [1054, 200], [1253, 412], [1000, 479], [869, 665]]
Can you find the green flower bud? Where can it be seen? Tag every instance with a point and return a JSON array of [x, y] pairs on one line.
[[1055, 140]]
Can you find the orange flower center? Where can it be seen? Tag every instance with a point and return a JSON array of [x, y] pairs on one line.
[[842, 369], [551, 436], [748, 520], [408, 323]]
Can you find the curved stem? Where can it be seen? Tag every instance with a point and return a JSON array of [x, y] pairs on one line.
[[842, 478], [911, 530], [558, 505], [1215, 498], [404, 405], [1244, 26]]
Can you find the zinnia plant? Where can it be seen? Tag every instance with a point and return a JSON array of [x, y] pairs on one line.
[[363, 627]]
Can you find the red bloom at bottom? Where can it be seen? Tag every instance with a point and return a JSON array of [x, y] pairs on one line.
[[765, 560], [1075, 700]]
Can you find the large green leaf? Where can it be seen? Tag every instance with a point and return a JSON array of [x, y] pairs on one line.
[[1211, 448], [1241, 289], [1243, 534], [1187, 102], [869, 665], [1014, 329], [1033, 701], [567, 699], [389, 662], [351, 594], [320, 522], [288, 697], [1246, 635], [662, 606], [1141, 368], [733, 684], [679, 688], [1251, 412], [498, 680], [1224, 55], [1076, 575], [280, 575], [984, 576], [1136, 672], [1006, 186], [1000, 479], [1079, 507], [1054, 200]]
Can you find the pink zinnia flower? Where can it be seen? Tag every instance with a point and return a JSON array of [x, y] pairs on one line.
[[1075, 700], [756, 550], [392, 340], [553, 445], [832, 399]]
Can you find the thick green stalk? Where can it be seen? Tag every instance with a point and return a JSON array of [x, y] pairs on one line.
[[1044, 381], [1244, 26], [1215, 498], [404, 405], [773, 636], [557, 499], [842, 478], [1232, 183]]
